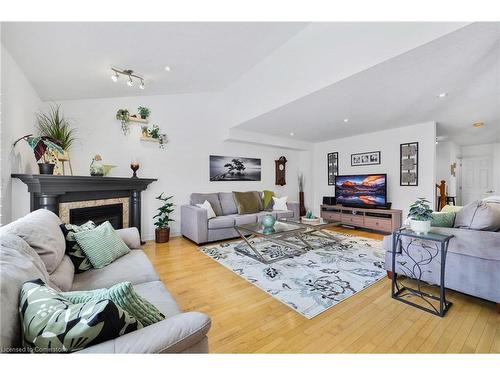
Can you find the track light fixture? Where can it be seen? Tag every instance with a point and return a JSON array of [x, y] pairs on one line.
[[128, 73]]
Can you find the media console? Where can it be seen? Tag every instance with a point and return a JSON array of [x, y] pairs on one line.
[[382, 220]]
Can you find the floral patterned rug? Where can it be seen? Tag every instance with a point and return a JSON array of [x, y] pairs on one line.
[[313, 281]]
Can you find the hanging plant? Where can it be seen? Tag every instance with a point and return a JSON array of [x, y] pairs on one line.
[[154, 132], [124, 116]]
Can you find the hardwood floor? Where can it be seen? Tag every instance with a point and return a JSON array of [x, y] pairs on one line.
[[247, 320]]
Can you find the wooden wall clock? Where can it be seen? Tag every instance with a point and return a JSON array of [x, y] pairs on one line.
[[280, 171]]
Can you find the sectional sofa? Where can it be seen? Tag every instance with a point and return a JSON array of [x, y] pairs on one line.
[[196, 226], [33, 247]]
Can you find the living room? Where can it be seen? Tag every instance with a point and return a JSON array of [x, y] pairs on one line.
[[250, 187]]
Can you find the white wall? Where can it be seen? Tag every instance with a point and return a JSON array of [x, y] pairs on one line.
[[19, 104], [196, 126], [387, 142], [447, 153]]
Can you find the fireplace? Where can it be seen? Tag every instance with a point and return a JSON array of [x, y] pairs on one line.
[[77, 199], [99, 214]]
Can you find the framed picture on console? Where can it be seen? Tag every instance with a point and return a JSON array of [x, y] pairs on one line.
[[332, 160], [408, 173], [365, 158]]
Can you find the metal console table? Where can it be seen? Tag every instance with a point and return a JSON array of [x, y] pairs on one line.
[[414, 271]]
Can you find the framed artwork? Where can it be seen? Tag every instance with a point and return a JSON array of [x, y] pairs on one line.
[[408, 173], [365, 158], [332, 160], [231, 168]]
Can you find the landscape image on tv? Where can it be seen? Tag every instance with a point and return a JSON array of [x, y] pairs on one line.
[[361, 190]]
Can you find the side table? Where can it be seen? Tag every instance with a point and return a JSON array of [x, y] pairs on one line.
[[410, 250]]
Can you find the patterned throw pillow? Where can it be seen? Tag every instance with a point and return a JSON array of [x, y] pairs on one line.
[[267, 199], [124, 296], [443, 219], [101, 245], [51, 323], [74, 251]]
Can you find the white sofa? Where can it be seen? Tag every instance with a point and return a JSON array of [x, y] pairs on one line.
[[34, 247]]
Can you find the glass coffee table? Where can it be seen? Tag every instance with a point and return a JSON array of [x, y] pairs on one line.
[[281, 233], [315, 228], [286, 233]]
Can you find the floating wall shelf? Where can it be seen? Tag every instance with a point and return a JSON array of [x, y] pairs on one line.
[[138, 119], [150, 139]]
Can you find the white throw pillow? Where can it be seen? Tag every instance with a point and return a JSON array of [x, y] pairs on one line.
[[207, 206], [280, 204]]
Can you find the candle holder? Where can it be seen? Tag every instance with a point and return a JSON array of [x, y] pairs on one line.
[[135, 167]]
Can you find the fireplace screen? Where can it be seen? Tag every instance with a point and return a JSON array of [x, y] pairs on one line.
[[98, 214]]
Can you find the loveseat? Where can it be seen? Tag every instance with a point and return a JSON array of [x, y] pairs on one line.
[[473, 257], [196, 226], [33, 247]]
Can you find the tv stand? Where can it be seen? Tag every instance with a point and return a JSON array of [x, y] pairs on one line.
[[382, 220]]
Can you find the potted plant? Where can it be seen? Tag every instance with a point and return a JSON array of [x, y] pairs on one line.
[[55, 126], [124, 116], [154, 132], [162, 232], [420, 216], [143, 112], [45, 149]]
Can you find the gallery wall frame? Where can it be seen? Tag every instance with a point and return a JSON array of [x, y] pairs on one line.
[[366, 158], [408, 166], [332, 162]]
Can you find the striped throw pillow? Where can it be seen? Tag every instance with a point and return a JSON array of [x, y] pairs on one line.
[[101, 245]]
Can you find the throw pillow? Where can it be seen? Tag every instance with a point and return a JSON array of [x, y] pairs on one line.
[[101, 245], [280, 204], [51, 323], [74, 251], [479, 215], [247, 202], [207, 206], [267, 199], [450, 208], [443, 219], [125, 297]]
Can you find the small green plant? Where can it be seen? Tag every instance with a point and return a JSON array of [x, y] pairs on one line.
[[420, 210], [154, 131], [164, 212], [143, 112], [55, 126], [124, 116]]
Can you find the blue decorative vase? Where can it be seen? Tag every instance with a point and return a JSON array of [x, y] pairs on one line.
[[268, 221]]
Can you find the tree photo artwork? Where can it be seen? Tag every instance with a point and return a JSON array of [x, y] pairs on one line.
[[230, 168]]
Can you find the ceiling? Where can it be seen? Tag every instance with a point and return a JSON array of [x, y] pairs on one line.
[[76, 57], [403, 91]]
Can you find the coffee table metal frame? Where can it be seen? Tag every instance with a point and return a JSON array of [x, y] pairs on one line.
[[281, 237]]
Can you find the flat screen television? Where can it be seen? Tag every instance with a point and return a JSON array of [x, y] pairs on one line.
[[361, 190]]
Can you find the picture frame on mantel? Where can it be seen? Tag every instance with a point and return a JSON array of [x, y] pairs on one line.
[[365, 158], [408, 166], [332, 160]]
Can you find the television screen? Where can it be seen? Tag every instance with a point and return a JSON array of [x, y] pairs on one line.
[[365, 190]]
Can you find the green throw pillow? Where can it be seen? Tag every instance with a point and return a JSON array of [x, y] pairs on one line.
[[101, 245], [51, 323], [443, 219], [450, 208], [267, 200], [74, 251], [247, 202], [124, 296]]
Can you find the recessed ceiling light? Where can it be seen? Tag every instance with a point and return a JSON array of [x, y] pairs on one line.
[[442, 95], [478, 124], [292, 134], [167, 69], [346, 120]]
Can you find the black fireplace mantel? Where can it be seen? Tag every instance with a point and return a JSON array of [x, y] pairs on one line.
[[47, 191]]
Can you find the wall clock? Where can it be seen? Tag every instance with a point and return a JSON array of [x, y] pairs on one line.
[[280, 171]]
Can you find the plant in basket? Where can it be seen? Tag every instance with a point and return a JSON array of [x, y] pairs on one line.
[[162, 232]]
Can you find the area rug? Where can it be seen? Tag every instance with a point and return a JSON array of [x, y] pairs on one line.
[[314, 281]]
